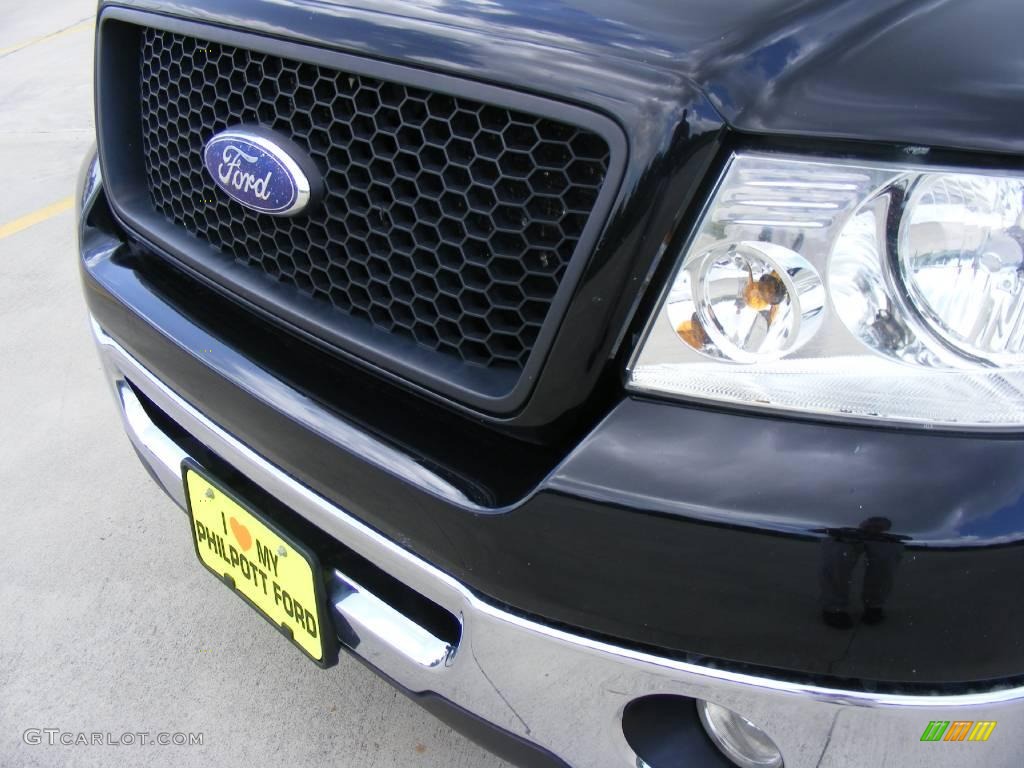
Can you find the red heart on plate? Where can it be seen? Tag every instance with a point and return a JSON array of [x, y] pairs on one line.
[[241, 534]]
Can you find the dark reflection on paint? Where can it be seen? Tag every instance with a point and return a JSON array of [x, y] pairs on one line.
[[841, 550]]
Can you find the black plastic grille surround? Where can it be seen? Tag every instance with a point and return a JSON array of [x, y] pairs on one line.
[[446, 220]]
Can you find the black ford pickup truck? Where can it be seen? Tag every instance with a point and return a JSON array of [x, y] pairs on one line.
[[629, 383]]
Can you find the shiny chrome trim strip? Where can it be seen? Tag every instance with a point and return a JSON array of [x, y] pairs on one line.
[[566, 692], [376, 630], [161, 454]]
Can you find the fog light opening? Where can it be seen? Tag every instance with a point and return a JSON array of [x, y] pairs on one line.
[[738, 738]]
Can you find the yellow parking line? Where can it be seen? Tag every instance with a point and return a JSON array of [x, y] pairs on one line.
[[84, 24], [40, 215]]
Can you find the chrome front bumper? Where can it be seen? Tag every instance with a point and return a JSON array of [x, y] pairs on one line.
[[564, 692]]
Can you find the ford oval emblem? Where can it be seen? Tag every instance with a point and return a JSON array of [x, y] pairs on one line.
[[261, 170]]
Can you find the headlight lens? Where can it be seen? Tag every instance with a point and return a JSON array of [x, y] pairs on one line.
[[961, 245], [857, 289]]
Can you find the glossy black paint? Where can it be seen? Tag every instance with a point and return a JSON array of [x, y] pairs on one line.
[[672, 138], [698, 532], [921, 72], [704, 533]]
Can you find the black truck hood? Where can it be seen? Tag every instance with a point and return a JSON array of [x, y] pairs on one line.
[[946, 73], [941, 72]]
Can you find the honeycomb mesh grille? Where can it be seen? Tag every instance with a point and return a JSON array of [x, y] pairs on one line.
[[446, 220]]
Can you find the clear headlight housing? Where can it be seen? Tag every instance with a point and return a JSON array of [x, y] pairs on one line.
[[854, 289]]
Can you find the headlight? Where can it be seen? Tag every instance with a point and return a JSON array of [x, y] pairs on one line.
[[863, 290]]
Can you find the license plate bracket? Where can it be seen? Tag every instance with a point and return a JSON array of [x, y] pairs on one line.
[[260, 561]]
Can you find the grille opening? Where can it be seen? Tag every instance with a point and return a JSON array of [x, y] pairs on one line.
[[446, 221]]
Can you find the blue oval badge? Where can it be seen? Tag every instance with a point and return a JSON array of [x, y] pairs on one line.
[[256, 170]]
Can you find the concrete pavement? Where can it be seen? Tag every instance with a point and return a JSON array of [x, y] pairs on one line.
[[111, 625]]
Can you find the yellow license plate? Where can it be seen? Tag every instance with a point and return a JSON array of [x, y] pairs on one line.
[[275, 575]]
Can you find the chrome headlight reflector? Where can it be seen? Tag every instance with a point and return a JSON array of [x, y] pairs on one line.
[[961, 242], [856, 289], [746, 302]]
